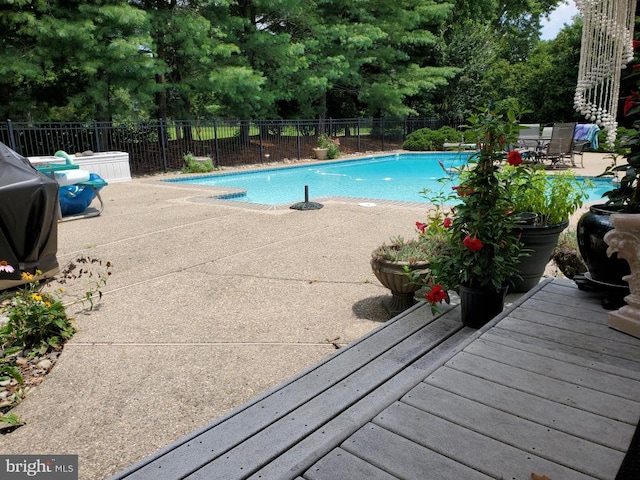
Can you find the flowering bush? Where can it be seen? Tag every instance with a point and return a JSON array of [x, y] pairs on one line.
[[35, 319], [483, 248], [34, 322]]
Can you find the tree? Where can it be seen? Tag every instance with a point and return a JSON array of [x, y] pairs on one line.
[[491, 42], [551, 75], [73, 59]]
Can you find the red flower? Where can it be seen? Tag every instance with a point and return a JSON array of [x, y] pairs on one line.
[[421, 226], [446, 222], [436, 294], [630, 102], [472, 243], [514, 158]]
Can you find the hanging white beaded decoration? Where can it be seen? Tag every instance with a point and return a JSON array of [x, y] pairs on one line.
[[607, 31]]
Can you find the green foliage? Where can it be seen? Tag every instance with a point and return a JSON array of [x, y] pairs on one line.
[[323, 141], [11, 419], [70, 60], [499, 55], [331, 144], [429, 139], [194, 165], [333, 151], [483, 249], [421, 249], [553, 197], [121, 60], [36, 320], [625, 197]]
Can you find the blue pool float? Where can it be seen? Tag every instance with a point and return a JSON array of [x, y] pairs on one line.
[[75, 199]]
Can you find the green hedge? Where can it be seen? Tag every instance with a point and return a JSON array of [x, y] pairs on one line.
[[429, 139]]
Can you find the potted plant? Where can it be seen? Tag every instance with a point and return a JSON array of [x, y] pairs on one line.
[[402, 265], [606, 271], [328, 148], [543, 204], [482, 252]]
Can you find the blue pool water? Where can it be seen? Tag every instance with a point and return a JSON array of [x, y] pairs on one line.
[[389, 177]]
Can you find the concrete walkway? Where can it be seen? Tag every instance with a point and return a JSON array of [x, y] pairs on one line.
[[209, 305]]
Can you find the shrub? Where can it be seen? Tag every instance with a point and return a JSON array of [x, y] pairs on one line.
[[429, 139], [195, 165], [35, 320], [33, 323], [423, 139], [331, 144]]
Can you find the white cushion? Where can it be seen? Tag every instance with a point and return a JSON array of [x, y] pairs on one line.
[[69, 177]]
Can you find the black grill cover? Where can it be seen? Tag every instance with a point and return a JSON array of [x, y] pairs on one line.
[[28, 217]]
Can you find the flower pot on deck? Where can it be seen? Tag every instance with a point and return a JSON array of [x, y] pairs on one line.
[[479, 305], [538, 243], [603, 269]]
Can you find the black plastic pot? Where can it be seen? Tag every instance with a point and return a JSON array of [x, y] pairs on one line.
[[479, 305], [592, 227], [539, 242]]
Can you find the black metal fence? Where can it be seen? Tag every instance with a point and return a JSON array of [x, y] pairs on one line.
[[158, 146]]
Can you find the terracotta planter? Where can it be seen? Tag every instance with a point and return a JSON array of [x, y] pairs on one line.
[[392, 275], [479, 305]]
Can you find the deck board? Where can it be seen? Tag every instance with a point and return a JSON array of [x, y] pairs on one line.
[[574, 421], [479, 452], [527, 435], [601, 403], [547, 388], [581, 356], [404, 458], [573, 339], [565, 322], [552, 368], [341, 464]]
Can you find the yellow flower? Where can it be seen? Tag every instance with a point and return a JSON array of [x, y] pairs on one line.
[[27, 276], [37, 297], [47, 304]]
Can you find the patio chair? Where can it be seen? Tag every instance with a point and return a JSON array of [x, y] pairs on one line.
[[528, 141], [560, 146]]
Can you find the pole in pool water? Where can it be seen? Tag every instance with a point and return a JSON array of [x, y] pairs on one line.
[[306, 205]]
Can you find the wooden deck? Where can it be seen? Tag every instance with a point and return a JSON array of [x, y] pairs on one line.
[[547, 388]]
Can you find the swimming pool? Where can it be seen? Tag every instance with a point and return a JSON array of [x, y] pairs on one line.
[[387, 177]]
